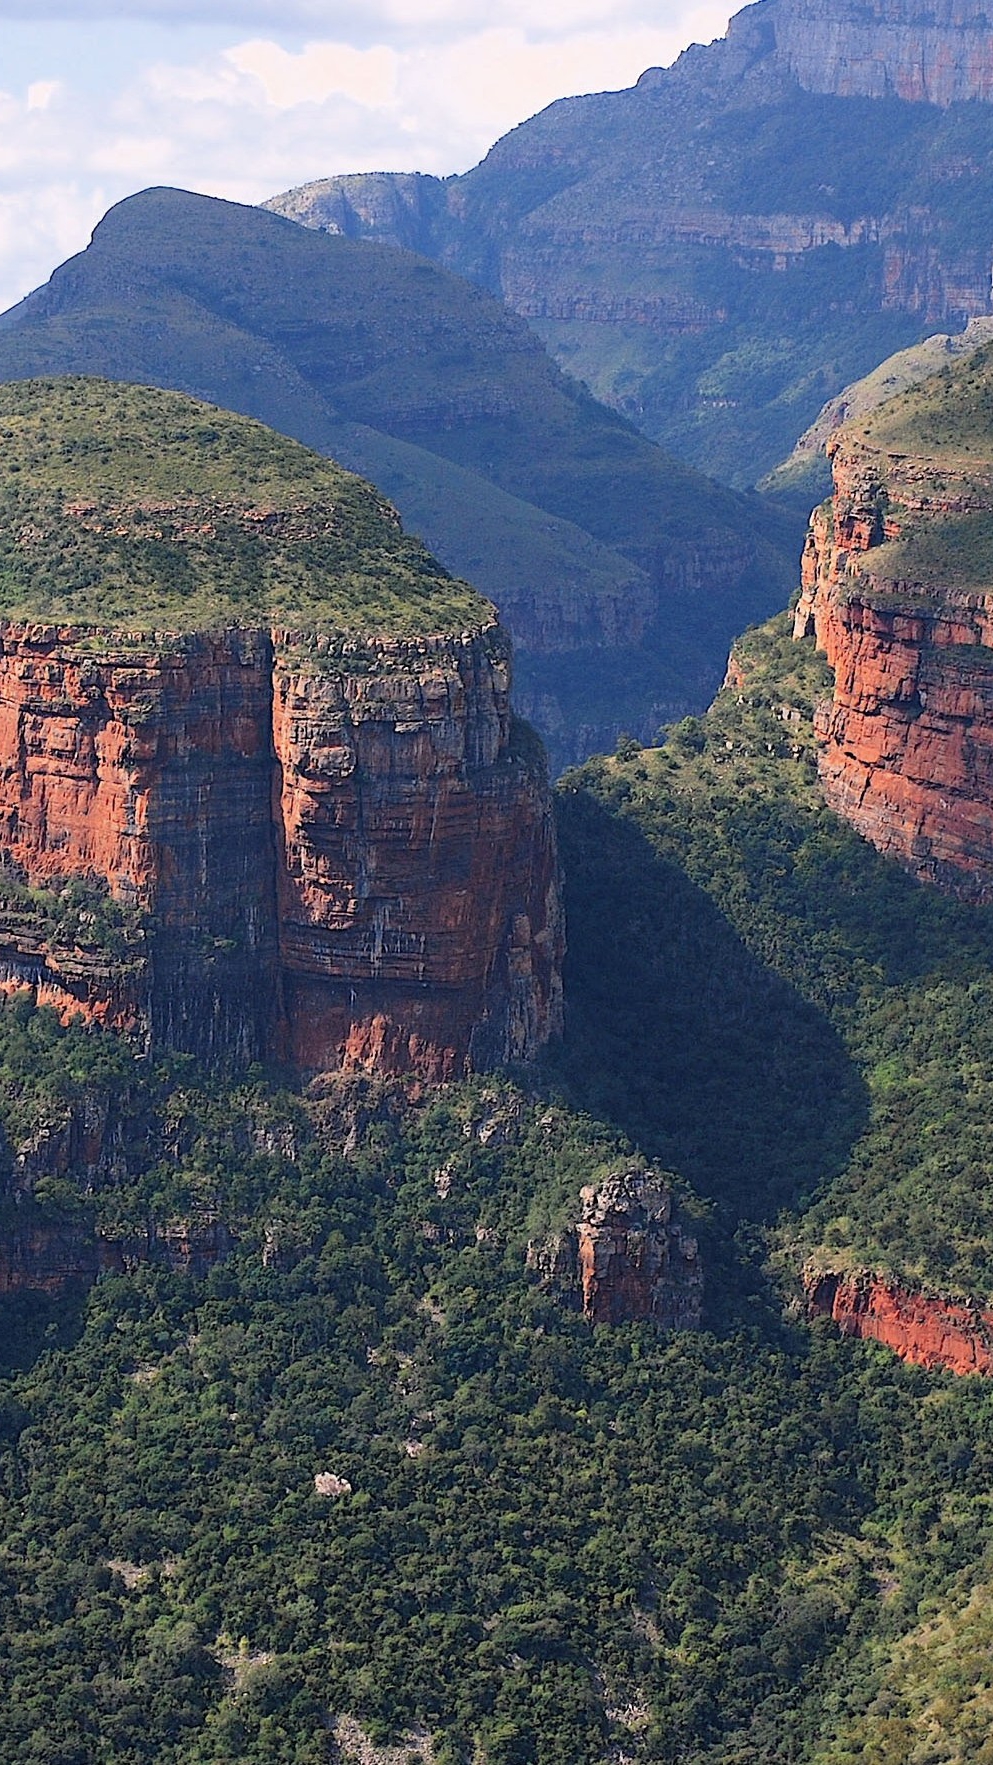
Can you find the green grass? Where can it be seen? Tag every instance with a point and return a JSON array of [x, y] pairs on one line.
[[136, 508]]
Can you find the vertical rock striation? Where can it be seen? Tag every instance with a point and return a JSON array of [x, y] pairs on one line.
[[346, 850], [627, 1259], [898, 590], [920, 1328], [419, 917], [277, 734]]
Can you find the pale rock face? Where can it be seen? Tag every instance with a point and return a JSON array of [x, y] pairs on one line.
[[941, 53]]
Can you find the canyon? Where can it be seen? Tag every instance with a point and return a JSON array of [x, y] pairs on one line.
[[335, 846], [723, 246], [620, 575]]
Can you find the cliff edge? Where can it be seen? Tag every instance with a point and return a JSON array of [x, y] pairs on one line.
[[898, 588], [271, 740]]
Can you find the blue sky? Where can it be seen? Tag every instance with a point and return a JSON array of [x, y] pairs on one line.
[[243, 98]]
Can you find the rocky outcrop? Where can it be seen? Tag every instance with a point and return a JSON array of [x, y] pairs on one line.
[[417, 885], [906, 743], [923, 1329], [344, 850], [628, 1257]]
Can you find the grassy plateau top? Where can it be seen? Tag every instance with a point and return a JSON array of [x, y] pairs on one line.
[[126, 506]]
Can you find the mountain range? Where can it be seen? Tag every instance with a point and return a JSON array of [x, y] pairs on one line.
[[721, 248], [621, 575]]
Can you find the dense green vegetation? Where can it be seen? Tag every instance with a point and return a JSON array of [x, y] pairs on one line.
[[753, 1543], [841, 1054], [127, 506], [674, 1544]]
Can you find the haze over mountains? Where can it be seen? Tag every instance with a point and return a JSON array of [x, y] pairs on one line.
[[621, 575], [724, 246]]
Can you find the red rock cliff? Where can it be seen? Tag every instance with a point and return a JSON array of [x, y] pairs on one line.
[[346, 854], [907, 740], [628, 1258], [927, 1331]]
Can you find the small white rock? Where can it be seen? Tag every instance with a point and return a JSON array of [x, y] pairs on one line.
[[326, 1483]]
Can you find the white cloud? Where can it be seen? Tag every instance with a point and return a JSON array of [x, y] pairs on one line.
[[92, 115], [383, 19], [320, 71], [41, 93]]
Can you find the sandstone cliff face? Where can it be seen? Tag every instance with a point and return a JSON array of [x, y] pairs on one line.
[[419, 918], [343, 855], [887, 48], [927, 1331], [907, 740], [627, 1259]]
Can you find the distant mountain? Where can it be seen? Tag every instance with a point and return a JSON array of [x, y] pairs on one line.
[[622, 576], [726, 245]]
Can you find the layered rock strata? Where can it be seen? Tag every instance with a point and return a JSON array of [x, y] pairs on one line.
[[722, 246], [346, 855], [895, 590], [628, 1257], [886, 48], [925, 1330]]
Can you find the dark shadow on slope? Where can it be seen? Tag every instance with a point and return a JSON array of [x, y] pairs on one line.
[[675, 1032], [31, 1322]]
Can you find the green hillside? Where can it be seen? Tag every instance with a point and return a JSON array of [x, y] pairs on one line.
[[586, 535], [756, 1542], [859, 999], [805, 475], [129, 506], [716, 251]]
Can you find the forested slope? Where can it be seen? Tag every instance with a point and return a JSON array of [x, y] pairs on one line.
[[754, 1541]]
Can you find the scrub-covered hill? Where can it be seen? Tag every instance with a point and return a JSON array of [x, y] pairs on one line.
[[724, 246], [621, 575]]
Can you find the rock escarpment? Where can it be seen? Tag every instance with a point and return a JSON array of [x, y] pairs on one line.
[[898, 588], [926, 1330], [941, 54], [628, 1258], [336, 844], [621, 576], [732, 240]]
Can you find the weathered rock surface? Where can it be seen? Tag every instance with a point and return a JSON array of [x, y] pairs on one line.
[[628, 1258], [346, 857], [922, 1329], [241, 705], [881, 48], [621, 576], [896, 591]]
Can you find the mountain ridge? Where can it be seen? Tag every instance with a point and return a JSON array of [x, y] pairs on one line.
[[609, 559], [725, 245]]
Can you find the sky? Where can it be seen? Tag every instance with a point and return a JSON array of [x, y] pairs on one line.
[[245, 98]]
